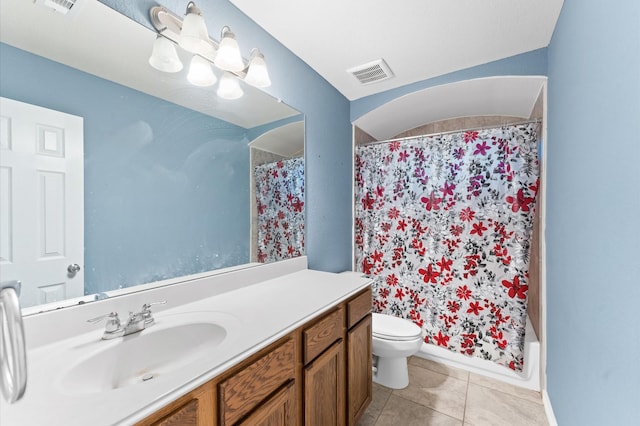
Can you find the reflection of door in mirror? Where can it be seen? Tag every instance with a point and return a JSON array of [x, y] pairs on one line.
[[41, 202]]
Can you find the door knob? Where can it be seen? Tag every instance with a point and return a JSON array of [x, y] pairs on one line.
[[73, 268]]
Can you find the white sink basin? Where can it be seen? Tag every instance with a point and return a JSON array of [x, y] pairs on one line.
[[172, 344]]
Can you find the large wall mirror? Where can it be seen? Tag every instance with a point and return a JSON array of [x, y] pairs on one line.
[[133, 176]]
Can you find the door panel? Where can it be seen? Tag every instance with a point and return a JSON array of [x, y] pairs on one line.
[[41, 201]]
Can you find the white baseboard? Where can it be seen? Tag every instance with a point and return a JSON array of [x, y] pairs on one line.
[[551, 418]]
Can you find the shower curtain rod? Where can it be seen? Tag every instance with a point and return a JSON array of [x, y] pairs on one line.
[[492, 126]]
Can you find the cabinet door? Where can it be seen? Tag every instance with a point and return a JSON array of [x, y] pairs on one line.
[[359, 369], [279, 410], [194, 409], [324, 389]]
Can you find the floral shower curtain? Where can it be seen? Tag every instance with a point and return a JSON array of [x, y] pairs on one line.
[[444, 224], [280, 204]]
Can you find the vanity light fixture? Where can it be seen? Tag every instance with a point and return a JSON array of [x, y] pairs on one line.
[[192, 36]]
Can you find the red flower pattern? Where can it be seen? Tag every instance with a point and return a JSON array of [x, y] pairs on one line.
[[280, 218], [439, 251], [515, 289]]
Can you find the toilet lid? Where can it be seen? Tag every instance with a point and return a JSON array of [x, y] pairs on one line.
[[394, 328]]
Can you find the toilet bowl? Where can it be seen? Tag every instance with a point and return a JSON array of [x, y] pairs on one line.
[[394, 339]]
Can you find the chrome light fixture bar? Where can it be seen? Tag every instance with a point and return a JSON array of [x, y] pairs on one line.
[[192, 36]]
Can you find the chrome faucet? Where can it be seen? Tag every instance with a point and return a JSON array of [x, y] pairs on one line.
[[13, 353], [136, 322]]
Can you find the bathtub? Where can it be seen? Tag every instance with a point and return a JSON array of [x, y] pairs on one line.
[[528, 378]]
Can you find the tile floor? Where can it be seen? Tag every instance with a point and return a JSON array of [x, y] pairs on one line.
[[444, 396]]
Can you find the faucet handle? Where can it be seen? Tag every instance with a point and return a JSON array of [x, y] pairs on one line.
[[146, 311], [146, 306], [113, 322]]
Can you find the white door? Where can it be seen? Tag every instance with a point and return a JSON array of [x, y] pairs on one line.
[[41, 202]]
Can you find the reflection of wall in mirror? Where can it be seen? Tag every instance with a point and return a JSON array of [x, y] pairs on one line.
[[166, 188]]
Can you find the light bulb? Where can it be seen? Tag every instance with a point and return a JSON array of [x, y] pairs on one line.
[[194, 30], [257, 74], [200, 72], [228, 57], [164, 56], [229, 87]]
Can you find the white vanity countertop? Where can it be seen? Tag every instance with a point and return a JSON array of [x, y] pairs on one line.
[[264, 312]]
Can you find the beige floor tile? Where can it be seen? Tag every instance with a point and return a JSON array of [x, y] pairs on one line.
[[491, 407], [488, 382], [439, 368], [368, 419], [399, 411], [440, 392], [379, 399]]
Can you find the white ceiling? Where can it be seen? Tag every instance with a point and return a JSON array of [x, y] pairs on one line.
[[418, 39]]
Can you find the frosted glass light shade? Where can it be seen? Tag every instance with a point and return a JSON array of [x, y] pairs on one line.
[[229, 87], [228, 57], [257, 74], [200, 72], [194, 30], [164, 56]]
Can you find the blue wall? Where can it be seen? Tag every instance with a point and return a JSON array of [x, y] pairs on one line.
[[150, 165], [328, 130], [593, 196]]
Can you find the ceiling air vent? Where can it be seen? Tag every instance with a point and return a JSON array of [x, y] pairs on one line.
[[371, 72], [60, 6]]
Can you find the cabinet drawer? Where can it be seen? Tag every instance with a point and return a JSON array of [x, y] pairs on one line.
[[245, 390], [359, 307], [185, 415], [322, 334]]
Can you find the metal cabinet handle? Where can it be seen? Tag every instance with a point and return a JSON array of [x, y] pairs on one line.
[[13, 354]]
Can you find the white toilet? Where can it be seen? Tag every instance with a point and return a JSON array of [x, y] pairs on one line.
[[394, 339]]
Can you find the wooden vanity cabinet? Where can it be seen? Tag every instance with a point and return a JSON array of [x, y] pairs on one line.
[[359, 356], [320, 374]]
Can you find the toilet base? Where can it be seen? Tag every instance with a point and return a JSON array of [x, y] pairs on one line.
[[392, 372]]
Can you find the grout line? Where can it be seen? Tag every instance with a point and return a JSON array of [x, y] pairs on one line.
[[382, 409], [425, 406], [466, 400], [541, 402]]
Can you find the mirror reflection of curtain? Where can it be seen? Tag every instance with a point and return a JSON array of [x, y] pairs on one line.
[[443, 225], [280, 209]]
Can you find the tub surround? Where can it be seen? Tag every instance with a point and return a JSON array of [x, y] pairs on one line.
[[263, 311], [528, 378]]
